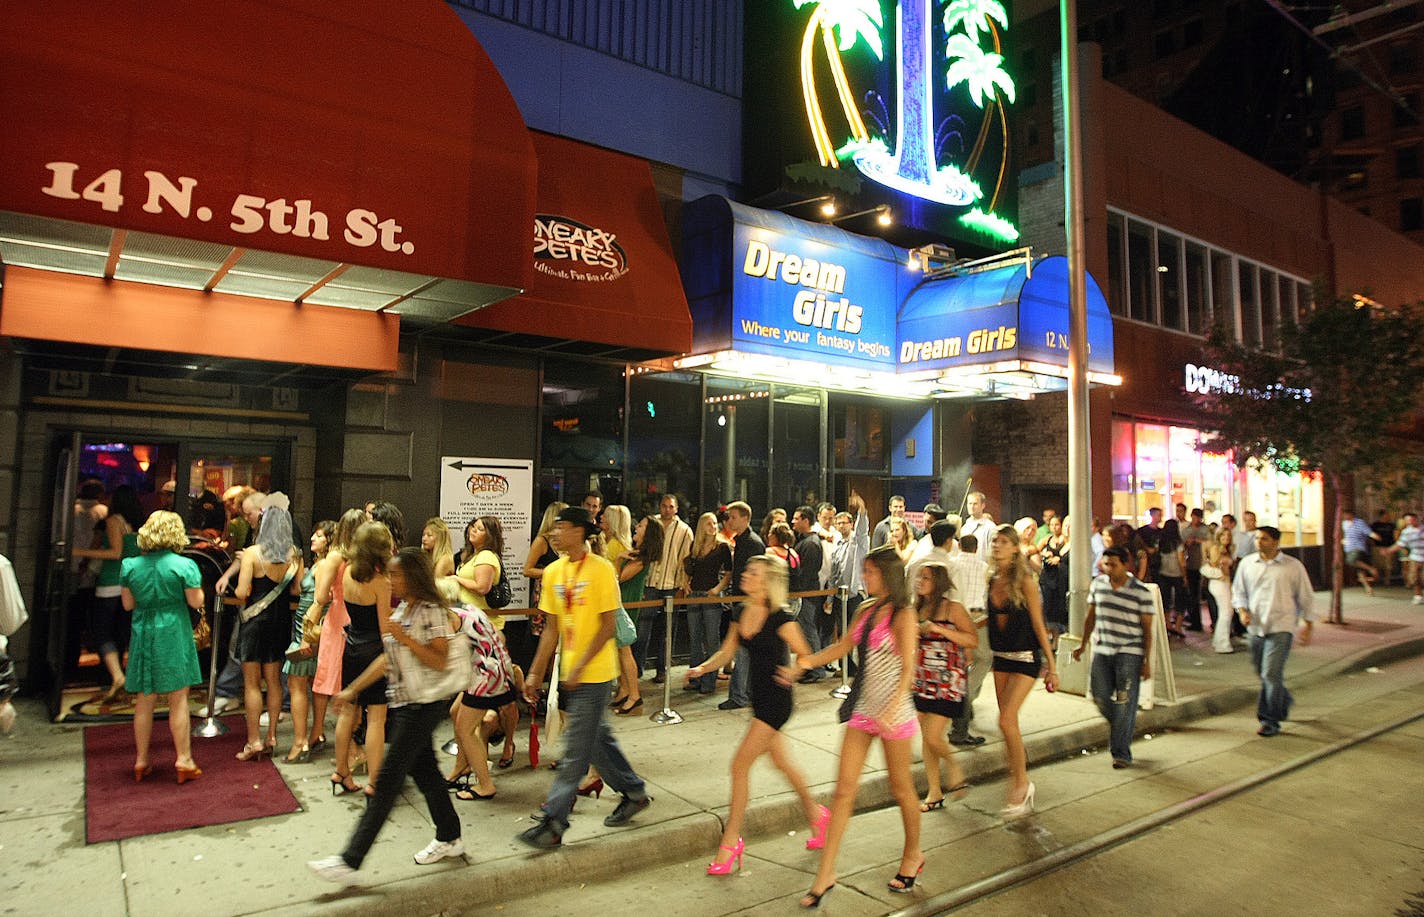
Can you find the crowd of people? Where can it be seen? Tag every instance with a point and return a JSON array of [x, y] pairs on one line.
[[397, 639]]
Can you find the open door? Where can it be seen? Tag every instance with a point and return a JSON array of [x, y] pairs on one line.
[[52, 656]]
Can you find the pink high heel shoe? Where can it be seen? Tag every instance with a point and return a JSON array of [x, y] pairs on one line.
[[817, 840], [725, 868]]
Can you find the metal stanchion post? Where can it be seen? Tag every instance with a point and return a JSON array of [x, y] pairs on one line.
[[212, 727], [843, 690], [667, 716]]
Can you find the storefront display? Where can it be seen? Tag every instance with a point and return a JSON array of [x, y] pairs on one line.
[[1161, 465]]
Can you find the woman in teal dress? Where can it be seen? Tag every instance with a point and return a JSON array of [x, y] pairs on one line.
[[300, 666], [159, 587]]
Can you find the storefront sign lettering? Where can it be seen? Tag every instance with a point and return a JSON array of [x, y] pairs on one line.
[[250, 213], [570, 250], [981, 340], [1203, 380]]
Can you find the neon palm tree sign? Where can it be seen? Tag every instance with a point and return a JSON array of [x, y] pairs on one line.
[[907, 158]]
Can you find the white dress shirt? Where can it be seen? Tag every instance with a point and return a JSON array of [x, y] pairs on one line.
[[1276, 592]]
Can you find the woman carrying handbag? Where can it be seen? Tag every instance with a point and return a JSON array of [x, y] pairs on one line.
[[423, 664]]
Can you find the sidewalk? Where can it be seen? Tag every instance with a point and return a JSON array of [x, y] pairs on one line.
[[259, 866]]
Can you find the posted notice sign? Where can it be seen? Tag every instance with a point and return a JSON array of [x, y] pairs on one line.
[[472, 487]]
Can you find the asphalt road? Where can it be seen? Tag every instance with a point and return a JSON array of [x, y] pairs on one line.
[[1344, 835]]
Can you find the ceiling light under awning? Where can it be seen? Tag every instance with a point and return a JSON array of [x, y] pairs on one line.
[[115, 254]]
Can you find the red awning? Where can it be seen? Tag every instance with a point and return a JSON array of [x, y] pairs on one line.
[[604, 266], [354, 132]]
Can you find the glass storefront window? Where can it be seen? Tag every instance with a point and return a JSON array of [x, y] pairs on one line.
[[664, 441], [736, 422], [796, 447], [582, 438], [1157, 465]]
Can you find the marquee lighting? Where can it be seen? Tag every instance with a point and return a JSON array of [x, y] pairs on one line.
[[990, 225]]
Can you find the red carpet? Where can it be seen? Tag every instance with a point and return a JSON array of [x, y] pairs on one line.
[[230, 790]]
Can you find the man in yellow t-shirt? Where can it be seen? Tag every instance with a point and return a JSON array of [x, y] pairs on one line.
[[581, 595]]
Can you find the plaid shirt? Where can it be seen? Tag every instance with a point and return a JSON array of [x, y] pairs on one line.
[[423, 623]]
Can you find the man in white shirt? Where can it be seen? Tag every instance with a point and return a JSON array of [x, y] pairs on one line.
[[979, 524], [1272, 596], [933, 513], [1410, 543], [969, 575], [667, 577], [1245, 537]]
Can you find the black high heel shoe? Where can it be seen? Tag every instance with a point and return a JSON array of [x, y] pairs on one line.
[[617, 702], [906, 882], [814, 897], [460, 782], [341, 784], [630, 709]]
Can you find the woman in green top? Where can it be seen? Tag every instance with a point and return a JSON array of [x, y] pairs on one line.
[[107, 628], [159, 587], [300, 666]]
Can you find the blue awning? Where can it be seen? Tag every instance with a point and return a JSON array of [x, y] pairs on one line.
[[1001, 319]]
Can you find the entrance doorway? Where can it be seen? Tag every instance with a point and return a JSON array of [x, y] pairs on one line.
[[186, 476]]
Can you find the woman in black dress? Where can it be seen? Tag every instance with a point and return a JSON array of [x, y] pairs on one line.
[[1021, 651], [270, 578], [766, 630], [1053, 580], [364, 591]]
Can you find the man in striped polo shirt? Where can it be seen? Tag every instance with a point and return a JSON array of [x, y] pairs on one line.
[[1119, 622]]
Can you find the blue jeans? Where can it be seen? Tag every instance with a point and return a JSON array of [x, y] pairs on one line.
[[704, 622], [810, 620], [1114, 682], [652, 630], [741, 675], [1268, 658], [408, 752], [588, 739]]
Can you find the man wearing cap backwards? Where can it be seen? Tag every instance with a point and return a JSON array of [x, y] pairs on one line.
[[1272, 596], [581, 593]]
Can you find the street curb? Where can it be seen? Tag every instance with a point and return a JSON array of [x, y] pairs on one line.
[[603, 857]]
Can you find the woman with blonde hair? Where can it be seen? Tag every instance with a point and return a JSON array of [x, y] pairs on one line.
[[902, 539], [709, 570], [1216, 569], [1026, 532], [617, 526], [159, 587], [1022, 650], [270, 578], [541, 554], [435, 541], [767, 631]]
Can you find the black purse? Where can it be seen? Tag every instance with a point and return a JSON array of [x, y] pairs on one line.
[[848, 705], [501, 593]]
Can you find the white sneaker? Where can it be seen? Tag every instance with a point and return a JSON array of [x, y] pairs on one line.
[[264, 719], [334, 869], [220, 706], [7, 717], [437, 850], [1419, 600]]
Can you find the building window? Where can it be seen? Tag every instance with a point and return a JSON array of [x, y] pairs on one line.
[[1270, 320], [1411, 214], [1223, 294], [1403, 58], [1407, 115], [1357, 180], [1029, 60], [1197, 289], [1164, 44], [1119, 23], [1406, 162], [1141, 272], [1028, 95], [1352, 123], [1192, 33], [1032, 135], [1117, 278], [1169, 280], [1250, 305]]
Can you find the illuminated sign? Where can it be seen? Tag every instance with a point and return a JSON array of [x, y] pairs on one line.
[[943, 70], [799, 298], [1203, 380], [570, 250]]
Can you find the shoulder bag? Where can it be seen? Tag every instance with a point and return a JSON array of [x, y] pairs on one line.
[[848, 705]]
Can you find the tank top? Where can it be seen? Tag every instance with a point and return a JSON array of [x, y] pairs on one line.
[[109, 572], [631, 590], [1010, 627], [365, 624]]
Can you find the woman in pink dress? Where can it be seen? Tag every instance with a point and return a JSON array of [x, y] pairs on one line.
[[333, 634], [887, 635]]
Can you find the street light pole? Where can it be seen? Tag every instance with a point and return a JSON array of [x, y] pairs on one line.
[[1080, 494]]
